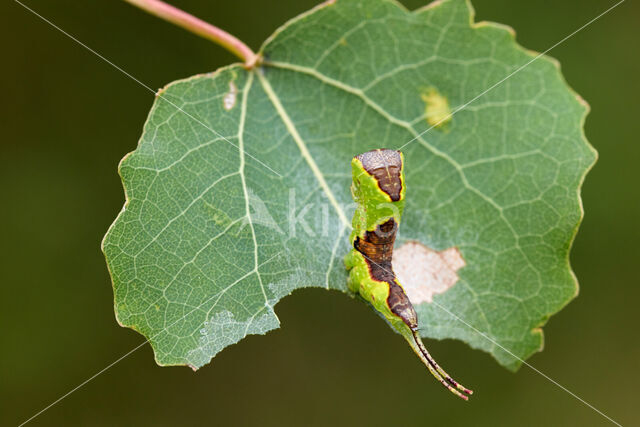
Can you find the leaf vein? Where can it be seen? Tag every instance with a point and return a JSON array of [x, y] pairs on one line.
[[303, 148]]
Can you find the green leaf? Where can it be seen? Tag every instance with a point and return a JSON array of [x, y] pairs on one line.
[[234, 168]]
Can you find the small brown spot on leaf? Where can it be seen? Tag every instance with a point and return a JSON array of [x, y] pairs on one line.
[[424, 272]]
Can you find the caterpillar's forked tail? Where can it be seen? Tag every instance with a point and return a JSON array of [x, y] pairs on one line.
[[439, 373]]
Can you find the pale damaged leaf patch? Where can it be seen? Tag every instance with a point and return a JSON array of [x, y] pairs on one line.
[[223, 330], [436, 111], [425, 272], [229, 100]]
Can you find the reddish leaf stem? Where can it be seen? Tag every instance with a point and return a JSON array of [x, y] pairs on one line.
[[189, 22]]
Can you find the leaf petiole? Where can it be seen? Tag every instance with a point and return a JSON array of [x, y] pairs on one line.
[[197, 26]]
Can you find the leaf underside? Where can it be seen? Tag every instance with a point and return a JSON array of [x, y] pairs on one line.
[[203, 248]]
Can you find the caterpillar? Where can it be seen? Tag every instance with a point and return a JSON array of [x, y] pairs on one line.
[[378, 188]]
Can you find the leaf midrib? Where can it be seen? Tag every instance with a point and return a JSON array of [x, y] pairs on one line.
[[284, 116]]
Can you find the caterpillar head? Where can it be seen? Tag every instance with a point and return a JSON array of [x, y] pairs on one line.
[[378, 175]]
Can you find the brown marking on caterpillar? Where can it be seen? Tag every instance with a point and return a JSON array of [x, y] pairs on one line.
[[401, 306], [377, 248], [385, 166]]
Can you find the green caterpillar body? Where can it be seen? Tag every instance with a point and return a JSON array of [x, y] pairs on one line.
[[378, 188]]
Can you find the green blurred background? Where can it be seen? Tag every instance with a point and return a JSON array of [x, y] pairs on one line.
[[67, 119]]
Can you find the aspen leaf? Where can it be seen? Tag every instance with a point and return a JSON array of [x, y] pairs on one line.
[[238, 191]]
